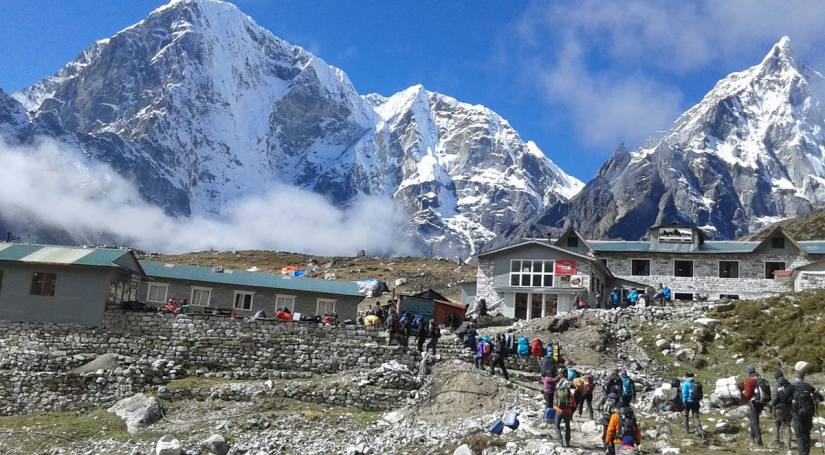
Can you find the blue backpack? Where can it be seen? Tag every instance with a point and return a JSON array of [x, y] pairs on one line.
[[523, 347], [496, 427], [628, 388], [550, 414]]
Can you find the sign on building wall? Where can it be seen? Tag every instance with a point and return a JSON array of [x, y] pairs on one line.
[[675, 235], [580, 281], [565, 267]]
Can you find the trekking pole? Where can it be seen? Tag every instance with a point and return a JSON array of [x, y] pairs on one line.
[[819, 430]]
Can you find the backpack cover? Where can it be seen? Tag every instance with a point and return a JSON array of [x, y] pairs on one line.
[[628, 388], [523, 347], [556, 352], [536, 348], [803, 403], [627, 423], [562, 399], [762, 392], [696, 392]]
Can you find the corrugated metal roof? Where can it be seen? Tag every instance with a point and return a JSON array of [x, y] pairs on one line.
[[159, 270], [813, 246], [44, 254], [618, 246]]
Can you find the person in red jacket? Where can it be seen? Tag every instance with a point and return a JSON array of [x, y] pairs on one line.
[[749, 389]]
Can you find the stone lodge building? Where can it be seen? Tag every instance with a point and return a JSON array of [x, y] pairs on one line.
[[541, 276]]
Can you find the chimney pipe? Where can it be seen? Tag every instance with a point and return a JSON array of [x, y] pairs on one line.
[[549, 237], [8, 236]]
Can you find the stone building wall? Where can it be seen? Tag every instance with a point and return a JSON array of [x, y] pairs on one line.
[[705, 281], [485, 282], [810, 280]]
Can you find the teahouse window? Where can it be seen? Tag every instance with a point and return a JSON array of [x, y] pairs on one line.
[[728, 269], [573, 241], [771, 268], [778, 242], [43, 284], [683, 268], [640, 267], [200, 296], [285, 301], [156, 292], [243, 300], [325, 306], [530, 273]]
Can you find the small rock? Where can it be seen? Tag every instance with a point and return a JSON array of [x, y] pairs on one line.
[[168, 445], [463, 449], [215, 444]]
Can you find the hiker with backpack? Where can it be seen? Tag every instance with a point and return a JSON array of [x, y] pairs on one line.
[[548, 366], [781, 409], [565, 405], [623, 430], [615, 298], [536, 348], [549, 390], [607, 407], [499, 354], [804, 401], [692, 395], [422, 336], [434, 333], [585, 394], [757, 393], [628, 389], [523, 347]]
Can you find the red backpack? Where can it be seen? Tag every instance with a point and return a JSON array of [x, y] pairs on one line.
[[537, 349]]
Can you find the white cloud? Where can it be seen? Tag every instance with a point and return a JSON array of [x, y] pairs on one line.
[[612, 64], [60, 188]]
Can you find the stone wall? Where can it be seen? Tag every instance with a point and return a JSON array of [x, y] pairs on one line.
[[705, 281], [485, 282], [36, 360], [809, 280]]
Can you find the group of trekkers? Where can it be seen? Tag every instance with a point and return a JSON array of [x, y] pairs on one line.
[[792, 406], [401, 327], [633, 297]]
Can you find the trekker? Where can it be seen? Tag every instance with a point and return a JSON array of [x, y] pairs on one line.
[[391, 325], [633, 297], [536, 347], [565, 404], [404, 326], [692, 396], [523, 349], [422, 336], [803, 409], [610, 403], [781, 408], [478, 359], [615, 298], [666, 295], [482, 307], [622, 429], [757, 394], [586, 392], [628, 389], [499, 354], [434, 333], [613, 385], [548, 366], [472, 337], [549, 390]]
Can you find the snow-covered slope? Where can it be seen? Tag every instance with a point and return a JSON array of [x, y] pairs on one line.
[[749, 153], [202, 107]]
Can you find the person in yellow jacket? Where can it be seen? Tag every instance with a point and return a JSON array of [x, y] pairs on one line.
[[622, 429]]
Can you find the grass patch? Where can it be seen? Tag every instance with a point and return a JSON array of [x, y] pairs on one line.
[[75, 426]]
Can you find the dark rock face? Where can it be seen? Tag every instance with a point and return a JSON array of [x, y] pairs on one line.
[[751, 152], [200, 106]]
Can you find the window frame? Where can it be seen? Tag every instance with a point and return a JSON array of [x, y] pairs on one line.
[[692, 268], [318, 302], [531, 274], [765, 268], [286, 296], [575, 240], [235, 295], [782, 241], [719, 270], [649, 266], [149, 286], [48, 292], [202, 289]]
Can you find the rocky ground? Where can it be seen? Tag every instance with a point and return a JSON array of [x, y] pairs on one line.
[[448, 408]]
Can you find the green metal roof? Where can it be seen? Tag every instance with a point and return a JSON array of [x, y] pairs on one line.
[[618, 247], [48, 254], [159, 270]]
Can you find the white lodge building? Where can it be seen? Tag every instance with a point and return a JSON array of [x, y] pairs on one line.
[[539, 277]]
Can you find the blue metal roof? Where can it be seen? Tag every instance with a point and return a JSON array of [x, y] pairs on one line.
[[159, 270], [813, 246]]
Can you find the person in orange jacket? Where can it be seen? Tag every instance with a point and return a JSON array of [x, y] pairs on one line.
[[622, 424], [565, 404]]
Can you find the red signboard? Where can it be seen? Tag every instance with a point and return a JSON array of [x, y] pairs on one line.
[[565, 267]]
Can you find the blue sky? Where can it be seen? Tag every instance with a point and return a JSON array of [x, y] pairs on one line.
[[578, 78]]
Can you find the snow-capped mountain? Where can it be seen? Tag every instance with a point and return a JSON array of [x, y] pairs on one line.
[[749, 153], [202, 107]]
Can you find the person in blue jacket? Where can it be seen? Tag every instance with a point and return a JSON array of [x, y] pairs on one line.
[[615, 298], [633, 296], [692, 404]]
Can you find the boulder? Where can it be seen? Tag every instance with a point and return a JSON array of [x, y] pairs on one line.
[[103, 362], [138, 411], [215, 444], [661, 343], [707, 322], [684, 354], [725, 427], [400, 282], [168, 445], [463, 449]]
